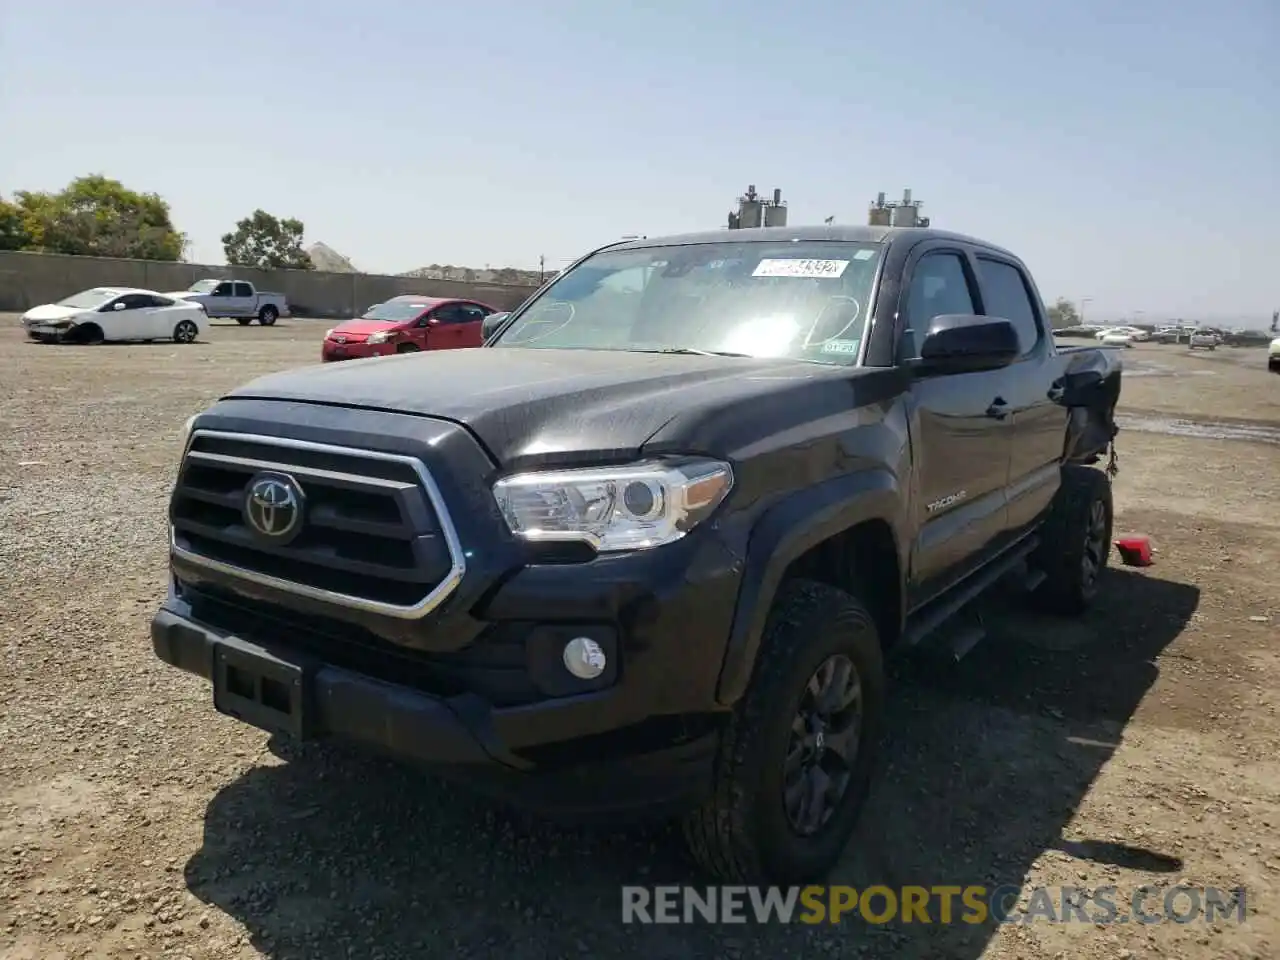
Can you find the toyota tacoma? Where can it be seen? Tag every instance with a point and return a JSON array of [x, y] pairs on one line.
[[649, 548]]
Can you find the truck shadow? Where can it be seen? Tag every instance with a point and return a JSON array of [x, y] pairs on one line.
[[337, 855]]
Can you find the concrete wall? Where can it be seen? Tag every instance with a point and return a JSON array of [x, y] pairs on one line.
[[29, 279]]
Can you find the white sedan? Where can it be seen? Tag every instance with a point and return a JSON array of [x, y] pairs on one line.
[[1136, 334], [116, 313], [1116, 338], [1273, 356]]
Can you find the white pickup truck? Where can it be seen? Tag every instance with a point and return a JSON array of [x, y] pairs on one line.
[[236, 298]]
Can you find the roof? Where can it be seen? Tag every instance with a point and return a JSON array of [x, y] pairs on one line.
[[120, 291], [846, 233], [415, 298]]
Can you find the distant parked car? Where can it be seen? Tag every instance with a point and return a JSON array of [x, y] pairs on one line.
[[238, 299], [115, 313], [406, 325], [1136, 334], [1080, 330], [1273, 356], [1116, 338], [1204, 339]]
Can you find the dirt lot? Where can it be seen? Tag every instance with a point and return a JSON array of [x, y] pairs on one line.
[[1141, 745]]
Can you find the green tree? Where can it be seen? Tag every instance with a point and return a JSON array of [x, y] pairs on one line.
[[13, 227], [96, 216], [1063, 313], [265, 242]]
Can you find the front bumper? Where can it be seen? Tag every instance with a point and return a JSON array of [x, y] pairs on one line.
[[359, 350], [460, 737], [47, 331]]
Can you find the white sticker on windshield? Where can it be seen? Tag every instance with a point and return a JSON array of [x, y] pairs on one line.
[[800, 268], [864, 255], [840, 346]]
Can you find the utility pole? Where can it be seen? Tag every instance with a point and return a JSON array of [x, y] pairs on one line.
[[542, 268], [1080, 312]]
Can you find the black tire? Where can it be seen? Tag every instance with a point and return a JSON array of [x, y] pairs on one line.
[[743, 832], [244, 321], [185, 332], [407, 348], [89, 334], [267, 315], [1075, 541]]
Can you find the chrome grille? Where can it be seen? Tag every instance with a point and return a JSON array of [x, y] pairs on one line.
[[376, 533]]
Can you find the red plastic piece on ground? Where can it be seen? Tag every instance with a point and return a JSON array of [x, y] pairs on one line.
[[1135, 551]]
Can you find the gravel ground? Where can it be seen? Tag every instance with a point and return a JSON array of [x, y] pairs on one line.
[[1138, 745]]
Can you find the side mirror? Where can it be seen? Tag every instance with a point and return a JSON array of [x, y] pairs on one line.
[[491, 324], [964, 343]]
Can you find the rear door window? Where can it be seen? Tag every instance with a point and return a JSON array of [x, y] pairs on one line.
[[1005, 295]]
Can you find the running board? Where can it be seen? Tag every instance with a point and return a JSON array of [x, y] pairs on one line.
[[966, 640], [1034, 579], [942, 610]]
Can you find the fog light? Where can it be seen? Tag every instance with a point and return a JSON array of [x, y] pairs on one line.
[[584, 658]]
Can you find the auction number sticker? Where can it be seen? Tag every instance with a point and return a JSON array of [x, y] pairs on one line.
[[800, 268], [840, 346]]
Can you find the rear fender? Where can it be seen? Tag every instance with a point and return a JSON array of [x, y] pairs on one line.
[[787, 531], [1090, 390]]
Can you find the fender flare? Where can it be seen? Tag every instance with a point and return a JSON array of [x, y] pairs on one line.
[[785, 532]]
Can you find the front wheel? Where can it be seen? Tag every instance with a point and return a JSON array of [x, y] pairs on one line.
[[407, 348], [1075, 541], [795, 760], [267, 315], [185, 332]]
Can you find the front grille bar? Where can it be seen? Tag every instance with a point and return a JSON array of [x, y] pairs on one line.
[[437, 595]]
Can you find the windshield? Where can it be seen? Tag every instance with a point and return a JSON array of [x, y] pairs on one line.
[[803, 300], [87, 299], [202, 286], [395, 312]]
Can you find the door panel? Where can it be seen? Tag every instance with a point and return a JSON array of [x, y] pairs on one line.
[[1039, 424], [221, 302], [471, 332], [242, 303], [960, 437], [129, 323], [446, 331]]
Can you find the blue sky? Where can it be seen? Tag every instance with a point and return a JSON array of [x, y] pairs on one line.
[[1128, 150]]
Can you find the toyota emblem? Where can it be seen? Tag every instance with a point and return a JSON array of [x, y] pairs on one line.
[[273, 506]]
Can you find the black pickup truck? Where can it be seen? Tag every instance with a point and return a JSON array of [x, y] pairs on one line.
[[649, 548]]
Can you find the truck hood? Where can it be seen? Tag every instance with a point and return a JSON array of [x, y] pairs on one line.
[[529, 406], [182, 294]]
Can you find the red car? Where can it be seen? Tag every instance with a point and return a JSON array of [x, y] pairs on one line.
[[406, 325]]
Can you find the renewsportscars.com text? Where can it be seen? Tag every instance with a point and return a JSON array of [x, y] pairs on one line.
[[939, 904]]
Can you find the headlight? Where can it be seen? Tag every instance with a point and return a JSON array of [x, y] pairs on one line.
[[614, 508], [380, 337], [186, 431], [329, 333]]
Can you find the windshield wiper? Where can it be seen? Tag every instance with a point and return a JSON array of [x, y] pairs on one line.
[[690, 351]]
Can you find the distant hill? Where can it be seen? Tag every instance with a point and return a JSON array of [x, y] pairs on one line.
[[329, 260], [509, 275]]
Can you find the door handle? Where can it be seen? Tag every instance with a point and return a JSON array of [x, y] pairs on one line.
[[999, 409]]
